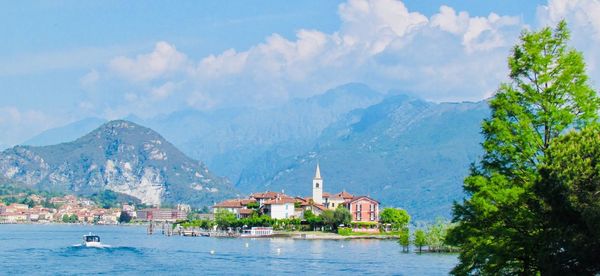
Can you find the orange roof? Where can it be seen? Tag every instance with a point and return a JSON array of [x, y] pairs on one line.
[[246, 211], [282, 200], [234, 203], [268, 195], [361, 197], [345, 195]]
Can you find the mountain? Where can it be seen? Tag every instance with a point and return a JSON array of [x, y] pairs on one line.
[[120, 156], [65, 133], [228, 139], [403, 151]]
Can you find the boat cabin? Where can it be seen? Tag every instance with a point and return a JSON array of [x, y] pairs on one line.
[[91, 238]]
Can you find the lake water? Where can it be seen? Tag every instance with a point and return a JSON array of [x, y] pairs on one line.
[[49, 249]]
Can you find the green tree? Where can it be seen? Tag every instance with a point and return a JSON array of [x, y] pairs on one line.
[[328, 217], [342, 216], [65, 218], [312, 220], [436, 235], [253, 205], [224, 219], [420, 239], [570, 192], [498, 230], [73, 218], [398, 218], [404, 238], [124, 217]]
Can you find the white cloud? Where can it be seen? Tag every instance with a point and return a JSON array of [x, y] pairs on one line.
[[450, 56], [162, 60], [163, 91], [90, 78], [583, 18], [478, 33], [17, 125]]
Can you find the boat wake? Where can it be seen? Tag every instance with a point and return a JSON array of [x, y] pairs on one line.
[[93, 246]]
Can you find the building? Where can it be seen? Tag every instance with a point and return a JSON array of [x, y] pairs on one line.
[[280, 208], [159, 214], [261, 198], [239, 207], [363, 209]]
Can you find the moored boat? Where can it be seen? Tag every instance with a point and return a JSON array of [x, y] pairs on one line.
[[257, 232]]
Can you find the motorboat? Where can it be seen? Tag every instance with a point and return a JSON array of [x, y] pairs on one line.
[[91, 240]]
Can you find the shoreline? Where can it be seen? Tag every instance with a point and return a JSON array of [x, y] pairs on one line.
[[295, 235]]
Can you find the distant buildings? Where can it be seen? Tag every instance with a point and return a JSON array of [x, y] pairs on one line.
[[157, 214], [281, 206], [68, 206]]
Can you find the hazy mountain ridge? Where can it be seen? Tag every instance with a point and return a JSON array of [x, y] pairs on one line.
[[66, 133], [227, 140], [120, 156], [403, 151]]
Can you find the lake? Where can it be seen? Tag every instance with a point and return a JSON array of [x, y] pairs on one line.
[[50, 249]]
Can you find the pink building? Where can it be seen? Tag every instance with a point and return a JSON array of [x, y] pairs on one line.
[[363, 209]]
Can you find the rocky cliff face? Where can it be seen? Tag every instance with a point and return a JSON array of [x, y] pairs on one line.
[[120, 156]]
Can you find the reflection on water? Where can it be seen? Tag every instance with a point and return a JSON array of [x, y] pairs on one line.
[[48, 249]]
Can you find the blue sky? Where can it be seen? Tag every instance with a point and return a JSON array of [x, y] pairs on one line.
[[62, 61]]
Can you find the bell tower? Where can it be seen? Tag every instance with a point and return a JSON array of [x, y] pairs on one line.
[[317, 189]]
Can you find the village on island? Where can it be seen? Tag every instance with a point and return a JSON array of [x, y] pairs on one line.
[[260, 214]]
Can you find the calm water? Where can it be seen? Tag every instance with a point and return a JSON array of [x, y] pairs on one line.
[[48, 249]]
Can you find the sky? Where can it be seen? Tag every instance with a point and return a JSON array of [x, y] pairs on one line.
[[62, 61]]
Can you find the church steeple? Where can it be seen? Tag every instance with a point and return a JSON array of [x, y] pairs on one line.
[[318, 172], [317, 189]]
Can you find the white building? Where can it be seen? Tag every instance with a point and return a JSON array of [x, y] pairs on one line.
[[280, 208]]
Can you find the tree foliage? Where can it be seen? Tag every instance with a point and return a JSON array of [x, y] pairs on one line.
[[498, 230], [420, 239], [570, 204], [124, 217], [404, 238], [398, 218]]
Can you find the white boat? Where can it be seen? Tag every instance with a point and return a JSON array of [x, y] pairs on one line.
[[257, 232], [90, 240]]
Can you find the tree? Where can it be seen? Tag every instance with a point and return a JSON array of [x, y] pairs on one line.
[[404, 239], [436, 235], [328, 218], [253, 205], [342, 216], [498, 229], [312, 220], [124, 217], [420, 239], [225, 219], [398, 218], [570, 192]]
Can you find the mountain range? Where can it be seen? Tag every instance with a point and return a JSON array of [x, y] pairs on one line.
[[399, 149], [403, 151]]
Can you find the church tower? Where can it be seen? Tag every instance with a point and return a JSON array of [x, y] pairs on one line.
[[317, 190]]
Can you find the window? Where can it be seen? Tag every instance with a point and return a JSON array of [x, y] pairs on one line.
[[332, 205], [372, 216], [372, 207], [317, 184]]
